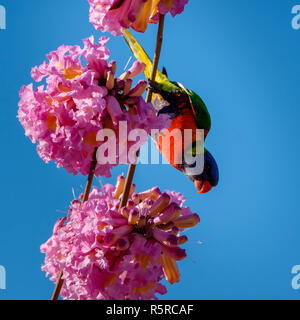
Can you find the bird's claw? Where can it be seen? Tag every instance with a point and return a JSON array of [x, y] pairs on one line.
[[154, 86]]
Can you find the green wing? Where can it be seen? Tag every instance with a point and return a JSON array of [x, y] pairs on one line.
[[199, 108]]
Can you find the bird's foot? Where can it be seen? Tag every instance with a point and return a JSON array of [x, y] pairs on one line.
[[154, 86]]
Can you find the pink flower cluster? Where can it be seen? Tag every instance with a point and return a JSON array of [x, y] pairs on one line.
[[107, 254], [113, 15], [79, 100]]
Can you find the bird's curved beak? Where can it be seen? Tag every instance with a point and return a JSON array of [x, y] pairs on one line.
[[203, 186]]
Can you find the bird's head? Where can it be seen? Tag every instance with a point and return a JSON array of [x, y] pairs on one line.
[[209, 178]]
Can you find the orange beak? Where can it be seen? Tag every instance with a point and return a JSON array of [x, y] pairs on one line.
[[202, 186]]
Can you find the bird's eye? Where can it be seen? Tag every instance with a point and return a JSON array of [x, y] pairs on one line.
[[207, 167]]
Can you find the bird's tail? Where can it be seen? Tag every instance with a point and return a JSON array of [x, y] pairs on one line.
[[142, 56]]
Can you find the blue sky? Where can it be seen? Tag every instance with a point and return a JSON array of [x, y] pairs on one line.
[[242, 57]]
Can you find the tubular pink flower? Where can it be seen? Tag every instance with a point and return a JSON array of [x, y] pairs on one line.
[[170, 213], [127, 86], [136, 69], [174, 252], [123, 243], [159, 205], [165, 238], [111, 237], [187, 221], [173, 6], [113, 15], [139, 89], [106, 254], [80, 99]]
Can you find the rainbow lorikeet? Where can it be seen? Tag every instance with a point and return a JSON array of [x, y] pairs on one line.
[[186, 111]]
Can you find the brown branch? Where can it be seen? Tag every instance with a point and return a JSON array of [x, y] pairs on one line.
[[90, 177], [131, 169], [60, 281], [59, 284]]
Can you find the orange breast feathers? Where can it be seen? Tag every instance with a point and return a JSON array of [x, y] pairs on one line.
[[173, 141]]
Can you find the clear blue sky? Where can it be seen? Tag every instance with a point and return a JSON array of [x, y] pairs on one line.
[[243, 58]]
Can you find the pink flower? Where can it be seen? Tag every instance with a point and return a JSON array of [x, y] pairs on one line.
[[82, 96], [106, 254], [173, 6], [113, 15]]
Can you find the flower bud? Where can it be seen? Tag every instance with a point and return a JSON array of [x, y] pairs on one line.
[[175, 253], [172, 212], [119, 187], [187, 221], [159, 205]]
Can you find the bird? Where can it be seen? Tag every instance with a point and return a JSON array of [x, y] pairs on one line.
[[186, 110]]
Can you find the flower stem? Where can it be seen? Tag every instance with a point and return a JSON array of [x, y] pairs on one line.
[[131, 169], [90, 177], [58, 286], [60, 281]]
